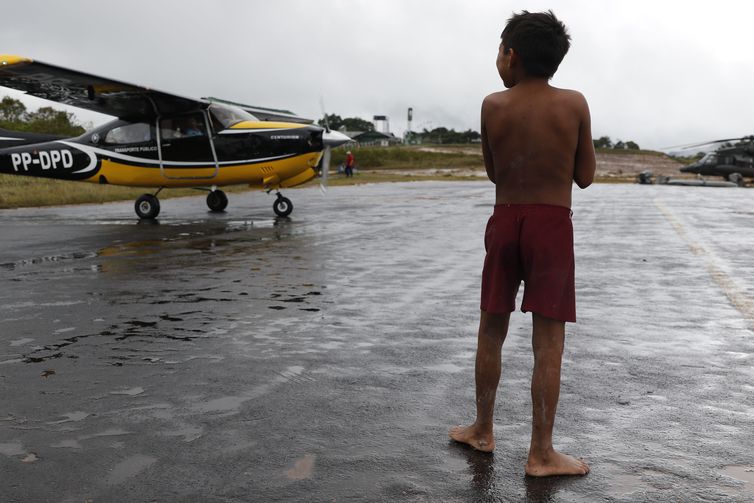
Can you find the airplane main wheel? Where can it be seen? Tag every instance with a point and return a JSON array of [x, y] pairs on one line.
[[282, 206], [217, 200], [147, 206]]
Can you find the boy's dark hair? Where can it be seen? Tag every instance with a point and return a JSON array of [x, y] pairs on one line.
[[540, 39]]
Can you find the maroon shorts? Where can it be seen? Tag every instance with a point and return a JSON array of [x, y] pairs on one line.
[[532, 243]]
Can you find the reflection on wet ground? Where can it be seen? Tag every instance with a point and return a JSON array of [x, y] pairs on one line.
[[238, 357]]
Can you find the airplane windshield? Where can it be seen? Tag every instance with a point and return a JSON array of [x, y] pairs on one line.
[[709, 158], [227, 115]]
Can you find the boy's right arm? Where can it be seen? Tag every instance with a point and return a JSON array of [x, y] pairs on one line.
[[583, 173]]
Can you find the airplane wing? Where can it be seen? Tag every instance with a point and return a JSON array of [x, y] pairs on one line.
[[89, 92]]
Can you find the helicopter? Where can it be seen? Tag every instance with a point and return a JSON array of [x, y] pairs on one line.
[[161, 140], [732, 161]]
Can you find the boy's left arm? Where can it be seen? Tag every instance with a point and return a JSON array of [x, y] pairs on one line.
[[486, 153]]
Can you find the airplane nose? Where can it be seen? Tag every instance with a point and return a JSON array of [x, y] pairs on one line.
[[334, 138]]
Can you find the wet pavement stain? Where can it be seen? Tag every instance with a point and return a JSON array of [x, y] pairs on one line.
[[742, 473], [302, 468], [129, 468]]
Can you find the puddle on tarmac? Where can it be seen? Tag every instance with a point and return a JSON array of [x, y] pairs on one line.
[[71, 417], [446, 368], [302, 468], [741, 473], [626, 484], [12, 449], [30, 458], [128, 468], [129, 392], [21, 342], [106, 433], [12, 266], [67, 444], [189, 433]]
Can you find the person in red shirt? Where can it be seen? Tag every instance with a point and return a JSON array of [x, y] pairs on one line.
[[350, 161]]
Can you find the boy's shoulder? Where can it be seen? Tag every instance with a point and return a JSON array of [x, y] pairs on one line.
[[495, 100], [501, 97], [571, 94]]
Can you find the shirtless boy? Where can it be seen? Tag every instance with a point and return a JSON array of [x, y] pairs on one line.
[[536, 141]]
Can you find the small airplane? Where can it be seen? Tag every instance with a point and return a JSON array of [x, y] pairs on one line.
[[160, 140]]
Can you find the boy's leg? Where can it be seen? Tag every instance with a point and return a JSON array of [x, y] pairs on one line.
[[547, 341], [492, 331]]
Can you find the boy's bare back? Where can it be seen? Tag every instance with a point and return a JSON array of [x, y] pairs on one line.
[[536, 141]]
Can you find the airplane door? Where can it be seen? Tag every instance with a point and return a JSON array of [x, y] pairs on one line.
[[186, 148]]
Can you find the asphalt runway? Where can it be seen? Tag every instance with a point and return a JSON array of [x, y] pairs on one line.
[[238, 357]]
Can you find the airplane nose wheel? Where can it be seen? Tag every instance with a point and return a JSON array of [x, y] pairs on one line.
[[147, 206], [217, 201], [282, 206]]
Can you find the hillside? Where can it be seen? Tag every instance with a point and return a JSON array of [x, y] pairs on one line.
[[621, 165], [466, 161]]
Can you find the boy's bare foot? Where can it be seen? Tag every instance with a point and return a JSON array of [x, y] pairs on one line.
[[555, 463], [481, 441]]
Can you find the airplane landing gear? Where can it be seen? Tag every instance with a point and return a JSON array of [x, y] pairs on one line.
[[147, 206], [282, 206], [217, 201]]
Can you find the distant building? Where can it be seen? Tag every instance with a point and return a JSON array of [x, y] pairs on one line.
[[373, 138]]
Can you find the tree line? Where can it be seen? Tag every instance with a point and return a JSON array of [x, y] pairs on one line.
[[606, 142], [439, 135], [15, 116]]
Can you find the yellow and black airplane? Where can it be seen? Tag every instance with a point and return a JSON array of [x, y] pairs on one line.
[[161, 140]]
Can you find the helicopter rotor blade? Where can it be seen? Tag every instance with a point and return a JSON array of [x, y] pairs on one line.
[[700, 144]]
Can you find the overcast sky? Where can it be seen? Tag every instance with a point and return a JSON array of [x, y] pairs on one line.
[[660, 72]]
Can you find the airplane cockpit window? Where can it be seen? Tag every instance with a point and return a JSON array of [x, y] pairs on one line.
[[185, 126], [130, 133], [226, 116], [709, 159]]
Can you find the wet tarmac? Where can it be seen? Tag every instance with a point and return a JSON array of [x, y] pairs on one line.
[[238, 357]]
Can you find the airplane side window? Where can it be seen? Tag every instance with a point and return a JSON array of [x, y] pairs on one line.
[[182, 127], [130, 133]]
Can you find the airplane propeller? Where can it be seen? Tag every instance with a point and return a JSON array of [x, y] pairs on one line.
[[330, 139], [325, 168], [327, 154]]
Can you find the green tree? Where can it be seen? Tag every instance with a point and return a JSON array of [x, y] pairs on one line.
[[11, 110], [333, 121], [632, 145], [349, 123], [443, 135], [357, 124], [14, 116], [603, 142], [49, 120]]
